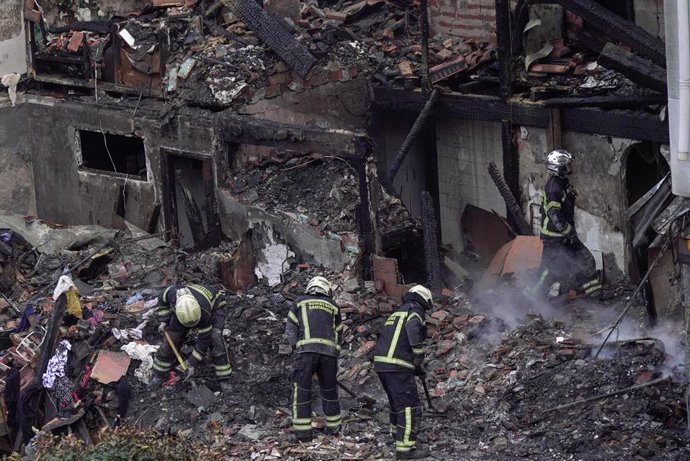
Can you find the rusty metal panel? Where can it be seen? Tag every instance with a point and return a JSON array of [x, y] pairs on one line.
[[484, 231]]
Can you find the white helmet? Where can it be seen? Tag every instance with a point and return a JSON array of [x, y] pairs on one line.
[[320, 285], [187, 308], [424, 292], [559, 162]]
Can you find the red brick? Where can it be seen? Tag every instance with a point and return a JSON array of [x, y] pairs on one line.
[[385, 264], [75, 42], [335, 75], [280, 77]]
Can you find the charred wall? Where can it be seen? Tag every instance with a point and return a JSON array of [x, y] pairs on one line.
[[16, 174], [12, 42], [68, 193]]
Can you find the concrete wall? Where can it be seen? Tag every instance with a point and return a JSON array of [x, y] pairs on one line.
[[599, 179], [16, 175], [68, 195], [467, 19], [465, 148], [12, 41], [649, 14]]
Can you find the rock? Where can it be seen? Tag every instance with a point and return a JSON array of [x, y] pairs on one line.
[[250, 431]]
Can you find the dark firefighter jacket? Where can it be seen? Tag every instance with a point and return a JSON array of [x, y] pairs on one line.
[[314, 325], [557, 208], [209, 299], [400, 345]]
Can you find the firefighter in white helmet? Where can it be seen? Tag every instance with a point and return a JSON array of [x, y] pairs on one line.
[[314, 329], [181, 309], [565, 259], [398, 358]]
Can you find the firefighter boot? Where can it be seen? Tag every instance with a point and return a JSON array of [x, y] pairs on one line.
[[416, 453]]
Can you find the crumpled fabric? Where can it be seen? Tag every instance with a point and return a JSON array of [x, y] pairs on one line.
[[57, 364], [63, 285], [144, 353], [66, 286], [25, 323]]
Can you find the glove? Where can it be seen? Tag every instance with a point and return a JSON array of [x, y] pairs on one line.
[[420, 371], [570, 238], [161, 327]]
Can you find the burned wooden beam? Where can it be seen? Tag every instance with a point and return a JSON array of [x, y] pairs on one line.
[[607, 102], [639, 70], [412, 135], [504, 47], [270, 31], [248, 130], [511, 159], [431, 254], [618, 28], [191, 209], [624, 124], [424, 28], [512, 206]]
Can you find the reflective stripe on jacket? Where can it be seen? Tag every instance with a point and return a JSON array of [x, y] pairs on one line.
[[314, 325], [557, 208], [400, 345]]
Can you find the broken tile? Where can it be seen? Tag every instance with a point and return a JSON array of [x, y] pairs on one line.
[[110, 366]]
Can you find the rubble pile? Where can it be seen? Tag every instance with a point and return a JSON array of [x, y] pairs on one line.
[[217, 56], [496, 391], [316, 190]]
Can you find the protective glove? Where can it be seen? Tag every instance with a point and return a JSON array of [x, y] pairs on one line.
[[161, 327], [570, 238], [420, 371]]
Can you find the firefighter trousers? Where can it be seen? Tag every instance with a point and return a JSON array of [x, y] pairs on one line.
[[570, 263], [405, 408], [305, 365], [209, 337]]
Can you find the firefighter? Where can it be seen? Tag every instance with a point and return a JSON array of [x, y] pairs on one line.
[[398, 358], [313, 330], [565, 259], [194, 307]]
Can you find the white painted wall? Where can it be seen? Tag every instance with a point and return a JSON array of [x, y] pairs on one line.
[[12, 37], [465, 148]]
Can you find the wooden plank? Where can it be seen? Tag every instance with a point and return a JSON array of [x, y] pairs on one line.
[[553, 131], [270, 31], [641, 71], [644, 127]]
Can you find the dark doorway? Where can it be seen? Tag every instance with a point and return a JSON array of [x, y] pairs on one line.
[[191, 212], [644, 167]]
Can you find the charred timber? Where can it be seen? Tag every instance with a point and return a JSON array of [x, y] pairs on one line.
[[645, 127], [607, 102], [412, 135], [511, 204], [618, 28], [247, 130], [431, 254], [639, 70], [503, 49], [270, 31]]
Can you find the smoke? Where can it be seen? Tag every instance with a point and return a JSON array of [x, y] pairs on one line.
[[590, 321]]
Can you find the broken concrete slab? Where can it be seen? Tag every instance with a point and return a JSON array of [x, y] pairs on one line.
[[307, 242], [200, 396], [48, 239]]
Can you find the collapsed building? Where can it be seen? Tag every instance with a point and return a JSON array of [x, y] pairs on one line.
[[355, 136]]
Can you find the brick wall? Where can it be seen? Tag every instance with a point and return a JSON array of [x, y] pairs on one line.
[[465, 148], [467, 19]]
